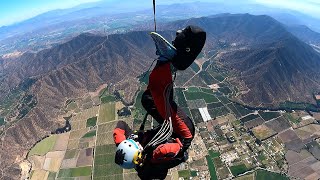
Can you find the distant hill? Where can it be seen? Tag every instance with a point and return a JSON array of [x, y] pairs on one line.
[[305, 34], [274, 64]]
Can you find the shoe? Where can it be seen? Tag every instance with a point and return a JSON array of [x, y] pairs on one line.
[[165, 50]]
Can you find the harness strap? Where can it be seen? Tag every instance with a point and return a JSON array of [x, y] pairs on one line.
[[154, 15]]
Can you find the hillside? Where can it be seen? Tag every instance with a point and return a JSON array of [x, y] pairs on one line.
[[274, 65]]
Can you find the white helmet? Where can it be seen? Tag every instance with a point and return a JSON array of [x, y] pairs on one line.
[[128, 154]]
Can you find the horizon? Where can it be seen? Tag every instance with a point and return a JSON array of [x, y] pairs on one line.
[[18, 11]]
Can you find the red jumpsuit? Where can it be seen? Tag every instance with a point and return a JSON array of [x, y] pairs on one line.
[[154, 101]]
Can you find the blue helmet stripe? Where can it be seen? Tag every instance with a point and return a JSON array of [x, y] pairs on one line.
[[133, 142]]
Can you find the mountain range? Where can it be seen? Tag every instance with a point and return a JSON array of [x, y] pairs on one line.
[[269, 62], [103, 17]]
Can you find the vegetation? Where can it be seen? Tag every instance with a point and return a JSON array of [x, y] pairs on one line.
[[225, 90], [193, 89], [212, 169], [71, 154], [107, 99], [195, 67], [91, 121], [180, 97], [207, 78], [186, 174], [89, 134], [209, 91], [44, 146], [200, 95], [52, 176], [218, 112], [288, 106], [238, 169], [144, 78], [249, 118], [2, 122], [266, 175], [107, 113], [213, 154], [269, 115], [75, 172], [292, 119]]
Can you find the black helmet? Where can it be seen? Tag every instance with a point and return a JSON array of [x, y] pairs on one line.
[[189, 43]]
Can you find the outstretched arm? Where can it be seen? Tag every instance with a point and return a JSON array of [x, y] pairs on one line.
[[121, 132]]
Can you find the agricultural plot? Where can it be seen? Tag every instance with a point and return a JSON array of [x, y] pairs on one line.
[[75, 172], [224, 99], [212, 169], [254, 123], [238, 169], [209, 98], [196, 104], [262, 132], [249, 118], [180, 97], [91, 121], [234, 110], [222, 111], [269, 115], [39, 175], [206, 90], [207, 78], [61, 142], [214, 105], [104, 159], [267, 175], [225, 90], [107, 113], [278, 124], [44, 146], [196, 116]]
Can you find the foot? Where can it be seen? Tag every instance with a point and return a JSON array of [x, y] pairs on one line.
[[165, 50]]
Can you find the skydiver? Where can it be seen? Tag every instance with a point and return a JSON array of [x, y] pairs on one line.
[[153, 152]]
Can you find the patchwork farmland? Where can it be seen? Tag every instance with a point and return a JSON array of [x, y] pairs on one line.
[[230, 139]]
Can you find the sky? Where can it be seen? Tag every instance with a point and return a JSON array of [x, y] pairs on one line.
[[12, 11]]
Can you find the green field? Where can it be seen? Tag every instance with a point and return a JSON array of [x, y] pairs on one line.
[[75, 172], [107, 99], [105, 149], [104, 159], [71, 154], [239, 169], [186, 174], [212, 169], [200, 95], [207, 78], [249, 118], [180, 97], [89, 134], [91, 122], [269, 115], [209, 91], [52, 176], [234, 110], [213, 154], [44, 146], [2, 122], [266, 175], [195, 67], [193, 89], [104, 165], [196, 116], [225, 90], [218, 112], [107, 113]]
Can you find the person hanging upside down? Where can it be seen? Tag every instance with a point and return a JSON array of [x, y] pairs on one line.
[[154, 151]]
